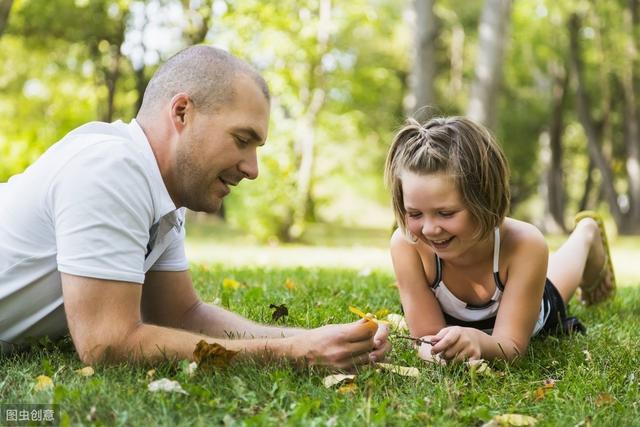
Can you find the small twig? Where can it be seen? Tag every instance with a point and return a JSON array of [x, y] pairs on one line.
[[417, 340]]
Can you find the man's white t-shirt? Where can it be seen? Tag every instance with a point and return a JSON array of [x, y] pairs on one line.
[[93, 205]]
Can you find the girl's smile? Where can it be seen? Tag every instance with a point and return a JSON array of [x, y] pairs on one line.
[[436, 214]]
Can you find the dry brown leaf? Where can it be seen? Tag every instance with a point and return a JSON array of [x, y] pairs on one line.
[[604, 399], [405, 371], [211, 356], [540, 393], [508, 420], [348, 388], [87, 371], [43, 382], [279, 311], [331, 380]]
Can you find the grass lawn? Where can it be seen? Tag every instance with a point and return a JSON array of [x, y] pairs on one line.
[[596, 375]]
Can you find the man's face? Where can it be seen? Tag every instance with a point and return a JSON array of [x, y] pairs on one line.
[[217, 150]]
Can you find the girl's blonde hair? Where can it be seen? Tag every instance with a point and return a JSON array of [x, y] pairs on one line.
[[462, 149]]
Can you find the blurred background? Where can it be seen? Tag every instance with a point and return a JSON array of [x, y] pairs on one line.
[[556, 81]]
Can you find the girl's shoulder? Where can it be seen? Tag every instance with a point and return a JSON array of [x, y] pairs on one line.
[[522, 237]]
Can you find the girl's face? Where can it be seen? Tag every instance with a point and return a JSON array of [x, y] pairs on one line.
[[436, 214]]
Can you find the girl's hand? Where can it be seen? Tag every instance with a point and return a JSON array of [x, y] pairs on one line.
[[456, 343]]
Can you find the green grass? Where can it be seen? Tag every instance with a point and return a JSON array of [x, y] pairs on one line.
[[279, 394]]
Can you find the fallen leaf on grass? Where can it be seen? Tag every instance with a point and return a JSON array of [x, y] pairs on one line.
[[508, 420], [289, 284], [604, 399], [548, 385], [87, 371], [479, 367], [332, 380], [406, 371], [348, 388], [43, 382], [210, 356], [397, 322], [191, 369], [279, 311], [587, 355], [150, 374], [233, 284], [166, 385]]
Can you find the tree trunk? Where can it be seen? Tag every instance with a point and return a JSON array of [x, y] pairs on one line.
[[631, 126], [5, 8], [488, 70], [424, 63], [588, 185], [555, 178], [307, 125], [588, 123]]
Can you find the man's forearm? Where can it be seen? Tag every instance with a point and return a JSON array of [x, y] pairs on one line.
[[215, 321], [154, 343]]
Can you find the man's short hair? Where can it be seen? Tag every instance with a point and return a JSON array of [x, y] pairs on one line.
[[205, 73]]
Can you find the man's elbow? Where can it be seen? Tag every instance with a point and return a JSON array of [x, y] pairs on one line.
[[105, 349]]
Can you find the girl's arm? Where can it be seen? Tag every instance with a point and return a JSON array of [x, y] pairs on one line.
[[421, 309], [519, 307]]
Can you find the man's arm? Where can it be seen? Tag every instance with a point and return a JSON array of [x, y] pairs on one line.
[[105, 322], [169, 299]]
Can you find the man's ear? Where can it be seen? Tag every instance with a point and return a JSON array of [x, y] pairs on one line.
[[181, 107]]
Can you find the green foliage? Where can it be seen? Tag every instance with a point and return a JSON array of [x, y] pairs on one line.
[[250, 393]]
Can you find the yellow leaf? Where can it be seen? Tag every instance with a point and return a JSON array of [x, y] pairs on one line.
[[87, 371], [357, 311], [332, 380], [43, 382], [400, 370], [540, 392], [367, 316], [289, 284], [348, 388], [228, 283], [210, 356], [381, 313], [508, 420]]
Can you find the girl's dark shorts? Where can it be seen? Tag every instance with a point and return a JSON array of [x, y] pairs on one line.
[[558, 323]]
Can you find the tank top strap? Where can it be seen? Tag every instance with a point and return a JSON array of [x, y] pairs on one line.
[[496, 258], [438, 277]]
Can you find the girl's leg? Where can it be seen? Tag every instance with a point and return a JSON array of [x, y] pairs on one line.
[[579, 262]]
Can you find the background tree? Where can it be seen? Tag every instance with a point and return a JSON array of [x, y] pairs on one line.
[[494, 24]]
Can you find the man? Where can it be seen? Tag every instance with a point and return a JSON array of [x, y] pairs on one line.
[[92, 237]]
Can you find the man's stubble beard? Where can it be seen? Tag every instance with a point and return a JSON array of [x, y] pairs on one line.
[[194, 195]]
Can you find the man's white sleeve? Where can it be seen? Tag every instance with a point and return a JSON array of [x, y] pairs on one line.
[[102, 207]]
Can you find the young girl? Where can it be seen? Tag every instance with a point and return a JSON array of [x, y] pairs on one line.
[[474, 283]]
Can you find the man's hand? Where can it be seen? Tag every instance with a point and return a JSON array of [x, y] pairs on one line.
[[381, 345], [339, 346], [456, 343]]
